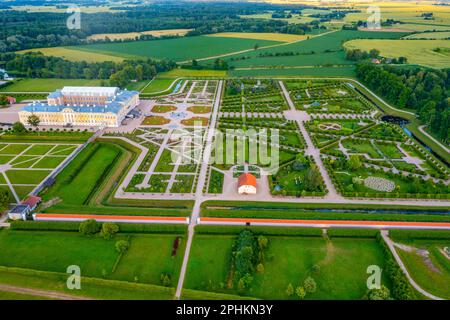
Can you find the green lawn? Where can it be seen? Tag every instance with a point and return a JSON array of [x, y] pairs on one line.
[[27, 176], [75, 184], [435, 281], [149, 255], [158, 85], [46, 85], [289, 260], [18, 296]]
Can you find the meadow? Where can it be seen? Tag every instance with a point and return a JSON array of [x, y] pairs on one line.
[[180, 49], [288, 260], [430, 35], [45, 251], [416, 51], [432, 275]]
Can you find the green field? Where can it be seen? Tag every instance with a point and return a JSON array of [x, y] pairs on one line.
[[344, 71], [158, 85], [322, 50], [430, 35], [288, 260], [175, 49], [416, 51], [55, 251], [432, 275], [46, 85]]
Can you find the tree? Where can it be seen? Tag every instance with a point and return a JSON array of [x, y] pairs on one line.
[[382, 293], [300, 292], [262, 242], [354, 163], [4, 198], [18, 128], [109, 229], [260, 268], [89, 227], [313, 178], [3, 100], [290, 290], [300, 163], [122, 246], [33, 120], [310, 285]]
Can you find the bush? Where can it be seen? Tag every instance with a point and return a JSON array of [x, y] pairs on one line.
[[122, 246], [90, 227], [352, 233], [45, 225], [109, 229]]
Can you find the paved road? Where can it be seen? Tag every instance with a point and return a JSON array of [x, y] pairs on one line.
[[199, 191], [390, 244], [422, 129], [41, 293]]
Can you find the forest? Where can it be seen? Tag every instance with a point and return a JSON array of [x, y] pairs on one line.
[[426, 91], [26, 30]]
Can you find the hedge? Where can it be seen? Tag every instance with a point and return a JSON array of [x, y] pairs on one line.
[[74, 226], [261, 230], [352, 233], [420, 234]]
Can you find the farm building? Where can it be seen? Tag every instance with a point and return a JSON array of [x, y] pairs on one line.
[[247, 184], [83, 106]]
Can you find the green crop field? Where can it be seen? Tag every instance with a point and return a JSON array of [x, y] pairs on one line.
[[416, 51], [325, 50], [175, 49], [430, 35], [344, 71], [289, 260], [46, 85]]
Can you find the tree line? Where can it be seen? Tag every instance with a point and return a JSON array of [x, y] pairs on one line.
[[424, 90], [37, 65]]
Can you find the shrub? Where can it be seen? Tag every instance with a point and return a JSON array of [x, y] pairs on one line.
[[109, 229], [122, 246], [90, 227]]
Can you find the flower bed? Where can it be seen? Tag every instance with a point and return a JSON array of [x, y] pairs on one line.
[[379, 184]]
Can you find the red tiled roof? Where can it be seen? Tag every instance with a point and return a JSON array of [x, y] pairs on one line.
[[32, 201], [247, 179], [11, 100]]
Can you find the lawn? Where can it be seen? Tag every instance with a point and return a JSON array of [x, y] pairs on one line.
[[180, 72], [163, 109], [46, 85], [288, 260], [199, 109], [435, 280], [27, 176], [154, 121], [55, 251], [134, 35], [83, 174], [416, 51], [159, 85], [174, 49]]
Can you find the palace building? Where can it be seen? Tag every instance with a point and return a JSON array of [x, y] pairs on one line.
[[83, 106]]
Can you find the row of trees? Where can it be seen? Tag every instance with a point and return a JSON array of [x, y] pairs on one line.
[[424, 90], [37, 65]]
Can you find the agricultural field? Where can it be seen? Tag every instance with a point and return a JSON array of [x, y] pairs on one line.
[[321, 50], [23, 165], [134, 35], [288, 260], [422, 52], [282, 37], [430, 35], [45, 85], [200, 47], [75, 55]]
